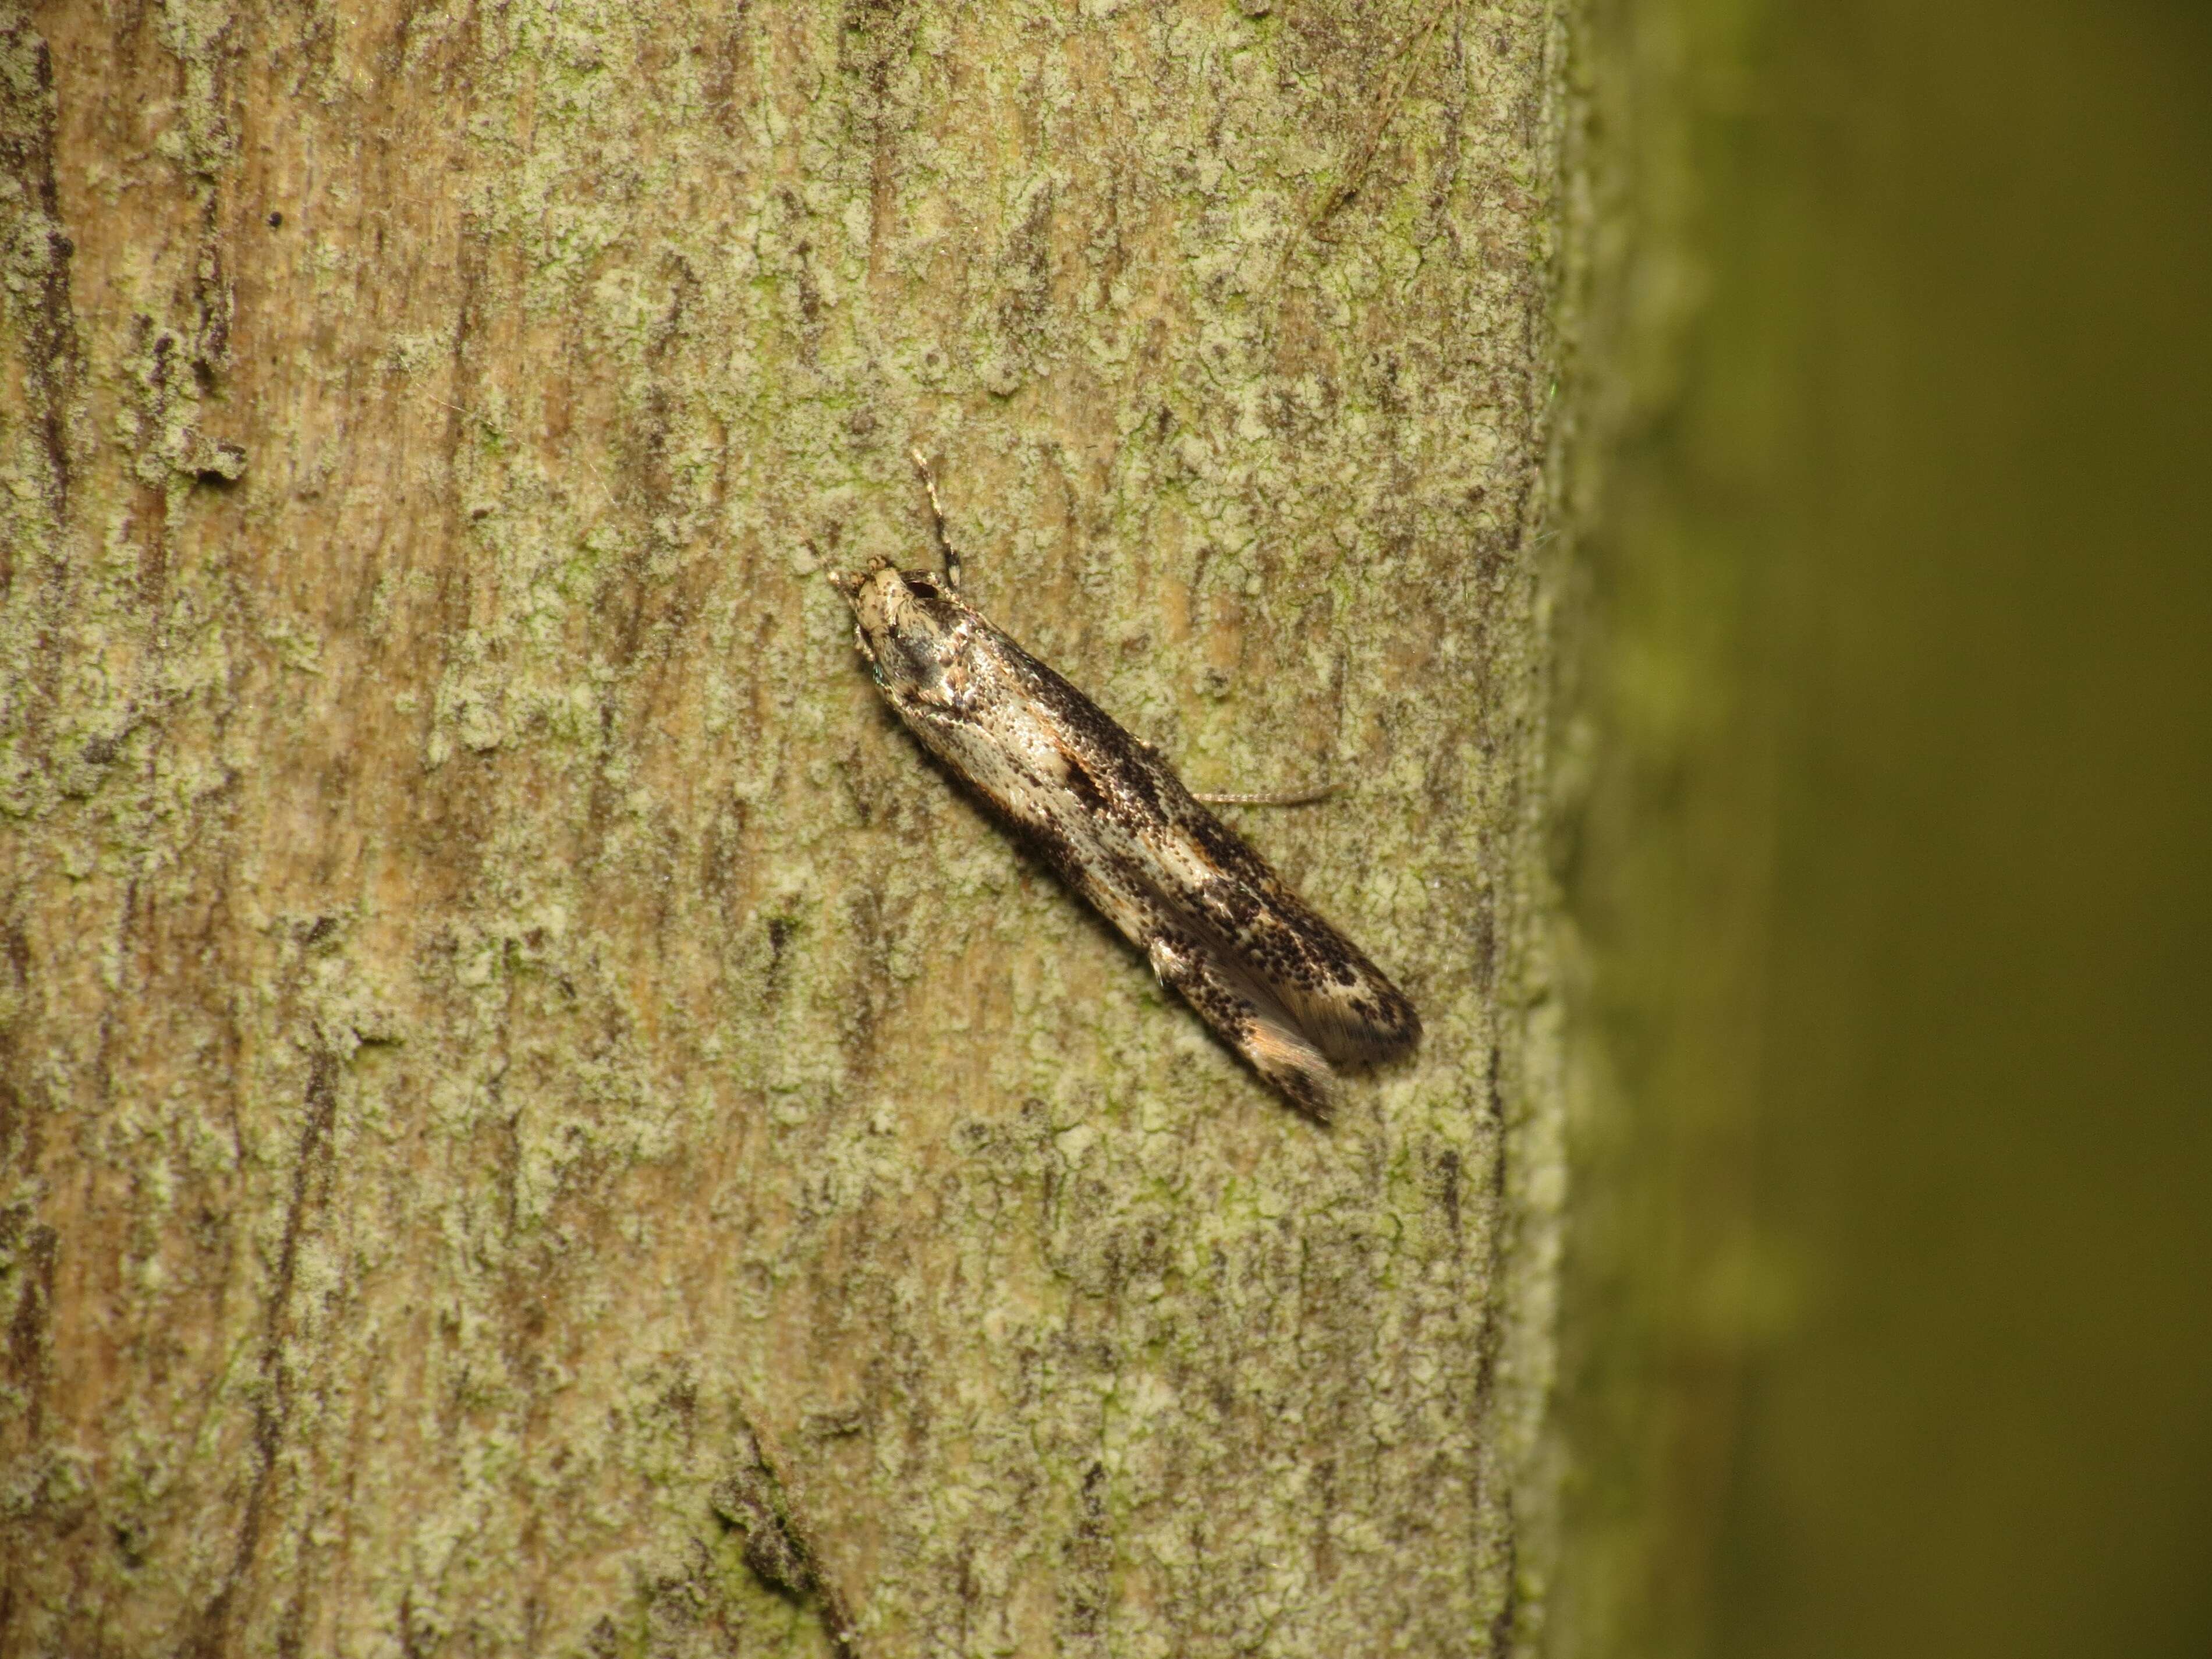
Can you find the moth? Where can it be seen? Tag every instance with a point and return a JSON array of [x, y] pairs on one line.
[[1281, 987]]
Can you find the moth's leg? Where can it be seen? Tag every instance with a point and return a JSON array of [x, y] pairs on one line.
[[936, 518]]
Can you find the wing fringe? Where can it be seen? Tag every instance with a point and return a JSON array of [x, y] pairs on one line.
[[1249, 1020], [1324, 983]]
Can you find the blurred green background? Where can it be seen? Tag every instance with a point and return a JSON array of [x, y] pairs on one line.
[[1893, 1315]]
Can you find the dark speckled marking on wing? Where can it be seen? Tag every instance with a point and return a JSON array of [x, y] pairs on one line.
[[1231, 897]]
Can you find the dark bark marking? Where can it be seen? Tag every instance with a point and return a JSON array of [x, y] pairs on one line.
[[52, 351], [1488, 1343], [1509, 1611], [272, 1408], [33, 1251], [1494, 1290], [760, 1498], [1346, 188]]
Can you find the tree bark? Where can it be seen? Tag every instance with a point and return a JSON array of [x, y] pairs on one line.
[[534, 1119]]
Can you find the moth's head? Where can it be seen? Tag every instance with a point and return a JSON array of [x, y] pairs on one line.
[[914, 634]]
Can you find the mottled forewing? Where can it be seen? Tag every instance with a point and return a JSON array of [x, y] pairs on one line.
[[1231, 904], [1341, 1000]]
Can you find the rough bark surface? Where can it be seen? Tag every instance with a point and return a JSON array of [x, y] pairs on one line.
[[534, 1120]]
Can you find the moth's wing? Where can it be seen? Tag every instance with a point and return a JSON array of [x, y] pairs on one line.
[[1344, 1004], [1243, 1016], [1341, 1000], [1286, 989], [1103, 858]]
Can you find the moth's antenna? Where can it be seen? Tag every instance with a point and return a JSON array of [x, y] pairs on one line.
[[936, 518], [1305, 797]]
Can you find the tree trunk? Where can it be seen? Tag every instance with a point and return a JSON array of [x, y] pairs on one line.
[[534, 1119]]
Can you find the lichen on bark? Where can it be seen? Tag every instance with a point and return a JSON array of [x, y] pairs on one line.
[[536, 1121]]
